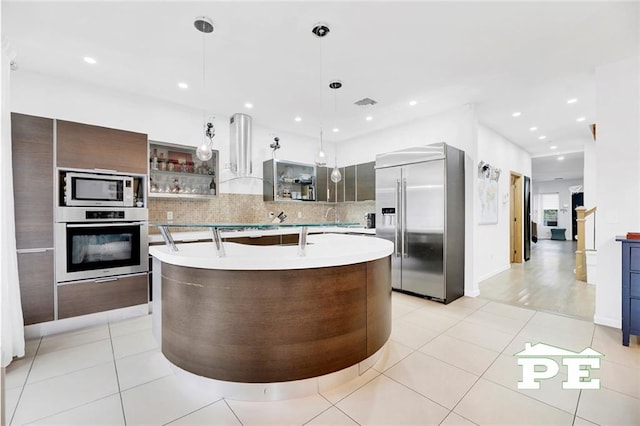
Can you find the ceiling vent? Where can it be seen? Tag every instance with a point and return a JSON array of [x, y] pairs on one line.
[[365, 102]]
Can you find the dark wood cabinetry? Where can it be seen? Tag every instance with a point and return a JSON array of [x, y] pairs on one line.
[[32, 157], [349, 178], [35, 143], [37, 285], [366, 181], [88, 297], [32, 161], [339, 191], [92, 147], [322, 184], [265, 240]]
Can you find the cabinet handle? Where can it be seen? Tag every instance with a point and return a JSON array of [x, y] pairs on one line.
[[105, 280], [105, 170], [104, 225], [34, 250]]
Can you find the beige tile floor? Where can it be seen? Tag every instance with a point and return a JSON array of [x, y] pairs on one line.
[[448, 365], [546, 282]]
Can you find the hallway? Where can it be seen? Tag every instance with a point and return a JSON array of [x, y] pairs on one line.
[[546, 282]]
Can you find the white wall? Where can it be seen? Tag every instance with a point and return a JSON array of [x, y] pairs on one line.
[[561, 187], [492, 240], [47, 96], [618, 178]]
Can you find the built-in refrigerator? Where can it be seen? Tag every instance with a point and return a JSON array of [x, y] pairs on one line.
[[420, 204]]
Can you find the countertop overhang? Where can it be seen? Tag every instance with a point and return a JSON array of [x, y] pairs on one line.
[[322, 250]]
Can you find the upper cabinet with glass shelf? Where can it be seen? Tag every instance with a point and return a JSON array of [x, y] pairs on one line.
[[288, 181], [176, 172]]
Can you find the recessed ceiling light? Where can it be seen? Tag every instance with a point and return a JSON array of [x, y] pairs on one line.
[[516, 114], [248, 105], [183, 85], [542, 137], [572, 101], [368, 118], [580, 119], [298, 119], [560, 158], [413, 103], [553, 147], [90, 60], [533, 129], [336, 130]]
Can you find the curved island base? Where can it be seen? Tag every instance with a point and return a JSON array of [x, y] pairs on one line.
[[276, 333]]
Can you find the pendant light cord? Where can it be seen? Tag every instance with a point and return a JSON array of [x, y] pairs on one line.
[[204, 80], [321, 147]]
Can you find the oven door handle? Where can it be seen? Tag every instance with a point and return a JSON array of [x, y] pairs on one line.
[[103, 225], [106, 280]]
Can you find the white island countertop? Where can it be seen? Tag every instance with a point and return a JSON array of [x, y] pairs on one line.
[[322, 250]]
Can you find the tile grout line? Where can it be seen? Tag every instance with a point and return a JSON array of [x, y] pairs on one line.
[[481, 376], [25, 382], [230, 408], [520, 393], [195, 411], [115, 366]]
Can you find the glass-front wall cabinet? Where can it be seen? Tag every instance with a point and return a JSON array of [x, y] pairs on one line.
[[176, 172], [288, 181]]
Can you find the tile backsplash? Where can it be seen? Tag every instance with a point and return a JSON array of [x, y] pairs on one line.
[[249, 208]]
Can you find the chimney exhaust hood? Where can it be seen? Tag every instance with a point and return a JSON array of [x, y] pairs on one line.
[[240, 145]]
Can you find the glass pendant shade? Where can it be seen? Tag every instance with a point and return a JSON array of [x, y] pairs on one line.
[[204, 151], [336, 176], [321, 158]]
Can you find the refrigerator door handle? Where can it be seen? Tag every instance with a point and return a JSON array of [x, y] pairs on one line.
[[405, 237], [398, 223]]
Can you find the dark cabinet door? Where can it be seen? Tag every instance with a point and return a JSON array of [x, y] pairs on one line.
[[349, 177], [322, 184], [92, 147], [340, 190], [366, 181], [87, 297], [32, 156], [36, 286]]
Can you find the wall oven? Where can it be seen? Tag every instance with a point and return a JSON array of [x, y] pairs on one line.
[[93, 243]]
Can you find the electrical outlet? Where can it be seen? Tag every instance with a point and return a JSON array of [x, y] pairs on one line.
[[169, 215]]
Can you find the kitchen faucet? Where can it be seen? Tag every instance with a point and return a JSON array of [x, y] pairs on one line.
[[336, 218]]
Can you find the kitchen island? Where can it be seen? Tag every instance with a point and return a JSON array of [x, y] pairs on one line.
[[269, 315]]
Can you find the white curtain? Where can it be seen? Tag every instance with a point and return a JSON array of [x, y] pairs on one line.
[[11, 322]]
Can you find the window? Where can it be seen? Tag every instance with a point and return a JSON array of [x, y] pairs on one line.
[[550, 206]]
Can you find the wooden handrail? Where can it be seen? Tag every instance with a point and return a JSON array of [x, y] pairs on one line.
[[581, 257]]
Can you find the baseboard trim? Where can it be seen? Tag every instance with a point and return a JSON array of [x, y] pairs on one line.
[[66, 325], [493, 273], [609, 322]]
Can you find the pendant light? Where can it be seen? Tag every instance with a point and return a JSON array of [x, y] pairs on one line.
[[336, 176], [205, 150], [320, 30]]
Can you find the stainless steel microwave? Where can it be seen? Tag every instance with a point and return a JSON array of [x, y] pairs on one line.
[[88, 189]]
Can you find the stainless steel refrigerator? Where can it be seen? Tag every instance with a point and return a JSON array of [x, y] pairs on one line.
[[421, 208]]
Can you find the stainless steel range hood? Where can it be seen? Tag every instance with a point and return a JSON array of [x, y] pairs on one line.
[[240, 145]]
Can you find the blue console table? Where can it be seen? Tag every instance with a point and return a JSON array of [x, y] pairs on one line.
[[558, 234], [630, 288]]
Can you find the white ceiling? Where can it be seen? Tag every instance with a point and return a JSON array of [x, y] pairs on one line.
[[503, 57]]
